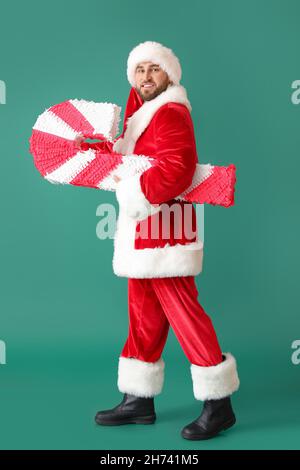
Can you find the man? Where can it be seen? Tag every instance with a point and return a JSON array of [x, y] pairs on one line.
[[161, 266]]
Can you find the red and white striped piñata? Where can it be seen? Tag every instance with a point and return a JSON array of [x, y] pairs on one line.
[[54, 146]]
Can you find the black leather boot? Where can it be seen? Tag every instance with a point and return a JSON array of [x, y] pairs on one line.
[[131, 410], [216, 416]]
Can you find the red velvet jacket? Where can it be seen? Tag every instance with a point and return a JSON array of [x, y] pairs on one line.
[[156, 234]]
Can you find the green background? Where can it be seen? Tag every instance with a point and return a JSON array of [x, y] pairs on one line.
[[63, 311]]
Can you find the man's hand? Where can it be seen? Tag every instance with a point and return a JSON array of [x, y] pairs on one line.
[[78, 141], [116, 178]]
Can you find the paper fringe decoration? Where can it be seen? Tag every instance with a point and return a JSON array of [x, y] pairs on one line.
[[54, 146]]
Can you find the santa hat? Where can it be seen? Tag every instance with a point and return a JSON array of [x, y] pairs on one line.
[[151, 51]]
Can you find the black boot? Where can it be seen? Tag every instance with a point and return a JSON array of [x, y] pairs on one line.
[[216, 416], [132, 409]]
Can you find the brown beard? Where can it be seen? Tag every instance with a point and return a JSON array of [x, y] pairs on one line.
[[156, 92]]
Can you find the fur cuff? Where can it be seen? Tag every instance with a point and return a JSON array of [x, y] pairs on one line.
[[131, 198], [215, 382], [139, 378]]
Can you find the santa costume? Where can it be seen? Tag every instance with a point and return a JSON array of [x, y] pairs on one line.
[[157, 247]]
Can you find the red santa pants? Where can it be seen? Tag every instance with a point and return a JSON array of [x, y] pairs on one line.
[[155, 304]]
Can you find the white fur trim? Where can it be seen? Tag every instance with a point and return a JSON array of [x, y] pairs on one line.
[[140, 378], [215, 382], [132, 200], [139, 121], [151, 51], [177, 260]]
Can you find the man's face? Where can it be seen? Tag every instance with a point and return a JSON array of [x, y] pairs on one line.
[[150, 80]]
